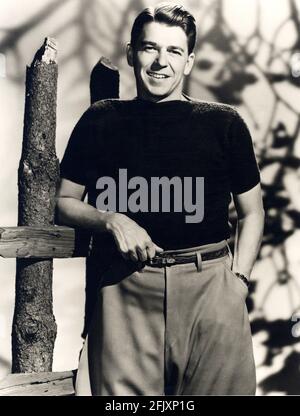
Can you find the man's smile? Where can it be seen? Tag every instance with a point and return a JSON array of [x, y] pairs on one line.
[[157, 75]]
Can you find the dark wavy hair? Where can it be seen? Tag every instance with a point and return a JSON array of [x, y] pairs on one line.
[[170, 14]]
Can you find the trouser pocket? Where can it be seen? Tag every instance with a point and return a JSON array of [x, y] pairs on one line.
[[238, 284]]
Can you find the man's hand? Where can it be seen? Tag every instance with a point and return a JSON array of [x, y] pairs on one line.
[[132, 240]]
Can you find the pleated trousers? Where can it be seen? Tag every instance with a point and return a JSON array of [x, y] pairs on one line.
[[174, 330]]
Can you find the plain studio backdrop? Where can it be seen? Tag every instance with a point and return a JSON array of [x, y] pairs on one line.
[[248, 55]]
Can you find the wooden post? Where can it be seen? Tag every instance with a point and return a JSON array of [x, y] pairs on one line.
[[34, 327], [105, 80]]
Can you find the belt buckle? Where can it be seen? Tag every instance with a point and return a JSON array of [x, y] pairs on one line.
[[162, 261], [168, 261]]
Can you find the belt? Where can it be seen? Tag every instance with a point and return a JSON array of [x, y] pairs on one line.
[[162, 260]]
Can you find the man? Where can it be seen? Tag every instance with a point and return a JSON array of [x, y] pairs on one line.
[[170, 316]]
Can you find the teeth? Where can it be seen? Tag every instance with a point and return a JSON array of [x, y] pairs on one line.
[[159, 76]]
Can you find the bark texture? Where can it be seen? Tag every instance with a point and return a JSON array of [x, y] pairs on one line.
[[34, 327]]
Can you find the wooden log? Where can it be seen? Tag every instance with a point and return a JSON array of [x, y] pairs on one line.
[[34, 326], [43, 242], [105, 80], [38, 384]]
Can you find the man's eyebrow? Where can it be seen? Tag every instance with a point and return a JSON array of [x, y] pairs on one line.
[[148, 42]]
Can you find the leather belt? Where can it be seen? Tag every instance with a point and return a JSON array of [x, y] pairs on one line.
[[163, 260]]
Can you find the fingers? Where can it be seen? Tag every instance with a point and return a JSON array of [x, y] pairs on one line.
[[150, 251], [136, 253], [142, 254], [132, 255], [132, 241], [158, 249]]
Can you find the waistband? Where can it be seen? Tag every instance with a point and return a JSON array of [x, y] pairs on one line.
[[191, 255], [207, 248]]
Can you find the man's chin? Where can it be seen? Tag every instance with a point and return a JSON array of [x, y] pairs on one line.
[[156, 94]]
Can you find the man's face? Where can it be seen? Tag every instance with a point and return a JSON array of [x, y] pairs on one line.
[[160, 61]]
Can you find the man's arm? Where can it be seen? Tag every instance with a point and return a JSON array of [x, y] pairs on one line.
[[132, 241], [250, 226]]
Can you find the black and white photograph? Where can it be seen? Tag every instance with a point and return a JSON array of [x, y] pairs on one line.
[[150, 200]]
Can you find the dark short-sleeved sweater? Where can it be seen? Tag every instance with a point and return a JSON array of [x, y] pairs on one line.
[[169, 139]]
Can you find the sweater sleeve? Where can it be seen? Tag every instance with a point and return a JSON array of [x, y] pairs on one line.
[[75, 163], [244, 171]]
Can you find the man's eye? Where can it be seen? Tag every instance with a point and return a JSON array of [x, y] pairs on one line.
[[149, 48], [175, 52]]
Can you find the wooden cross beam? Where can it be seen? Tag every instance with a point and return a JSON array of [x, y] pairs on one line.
[[43, 242]]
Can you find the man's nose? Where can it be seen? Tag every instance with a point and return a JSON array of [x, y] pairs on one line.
[[162, 59]]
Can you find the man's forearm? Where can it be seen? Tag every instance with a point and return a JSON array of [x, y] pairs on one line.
[[132, 241], [76, 213], [247, 242]]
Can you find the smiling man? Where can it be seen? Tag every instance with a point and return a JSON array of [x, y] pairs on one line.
[[161, 57], [170, 314]]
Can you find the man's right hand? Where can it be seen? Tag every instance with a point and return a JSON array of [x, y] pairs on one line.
[[133, 242]]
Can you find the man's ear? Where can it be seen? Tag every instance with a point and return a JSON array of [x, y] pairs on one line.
[[129, 54], [189, 64]]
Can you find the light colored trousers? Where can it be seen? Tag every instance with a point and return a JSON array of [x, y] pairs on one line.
[[177, 330]]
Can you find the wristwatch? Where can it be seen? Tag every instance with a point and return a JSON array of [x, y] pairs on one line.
[[243, 278]]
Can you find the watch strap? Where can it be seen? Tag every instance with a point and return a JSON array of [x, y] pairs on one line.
[[243, 278]]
